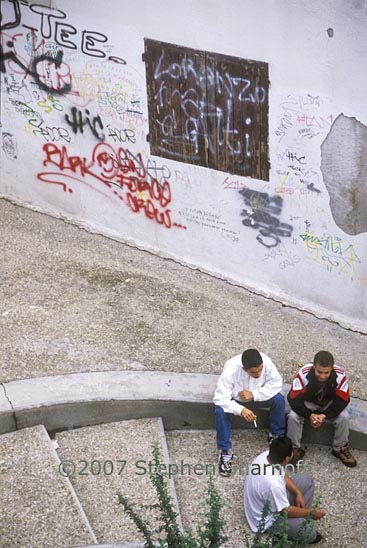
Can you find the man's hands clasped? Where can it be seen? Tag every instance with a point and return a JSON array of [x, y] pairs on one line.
[[316, 420]]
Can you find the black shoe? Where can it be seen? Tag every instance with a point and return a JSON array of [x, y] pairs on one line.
[[225, 466], [272, 437], [317, 539]]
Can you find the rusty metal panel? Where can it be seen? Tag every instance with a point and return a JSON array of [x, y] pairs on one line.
[[208, 109]]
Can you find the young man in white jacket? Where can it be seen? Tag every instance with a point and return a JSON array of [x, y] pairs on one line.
[[248, 382]]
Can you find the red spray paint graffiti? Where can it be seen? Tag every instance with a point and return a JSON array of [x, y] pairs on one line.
[[117, 173]]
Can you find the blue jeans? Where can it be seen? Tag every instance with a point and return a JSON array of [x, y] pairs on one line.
[[276, 419]]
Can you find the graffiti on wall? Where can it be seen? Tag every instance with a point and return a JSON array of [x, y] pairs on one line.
[[209, 220], [262, 214], [117, 174], [208, 109], [282, 256], [39, 47], [306, 114], [9, 145], [50, 25], [78, 120], [302, 122], [334, 254]]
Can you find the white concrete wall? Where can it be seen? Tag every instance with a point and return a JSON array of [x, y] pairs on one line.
[[315, 77]]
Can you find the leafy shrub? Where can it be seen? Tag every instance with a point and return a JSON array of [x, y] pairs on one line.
[[210, 535]]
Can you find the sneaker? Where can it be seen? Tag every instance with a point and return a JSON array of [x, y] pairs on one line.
[[298, 455], [272, 437], [225, 466], [345, 456], [317, 539]]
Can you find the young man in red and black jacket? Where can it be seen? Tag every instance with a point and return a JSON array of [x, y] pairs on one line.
[[320, 393]]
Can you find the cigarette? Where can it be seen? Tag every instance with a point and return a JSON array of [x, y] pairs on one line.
[[255, 423]]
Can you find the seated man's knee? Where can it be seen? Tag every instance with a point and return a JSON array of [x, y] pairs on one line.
[[278, 401], [343, 417], [293, 417], [221, 415]]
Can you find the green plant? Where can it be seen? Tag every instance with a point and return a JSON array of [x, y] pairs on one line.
[[168, 533], [211, 536], [277, 536]]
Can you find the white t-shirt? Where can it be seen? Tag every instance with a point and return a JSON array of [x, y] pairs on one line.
[[264, 482]]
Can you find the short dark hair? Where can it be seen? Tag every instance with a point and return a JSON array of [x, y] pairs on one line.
[[251, 358], [279, 449], [324, 358]]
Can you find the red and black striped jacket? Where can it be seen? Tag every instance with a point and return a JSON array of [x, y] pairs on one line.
[[304, 389]]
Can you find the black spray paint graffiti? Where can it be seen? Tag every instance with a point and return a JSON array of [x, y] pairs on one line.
[[62, 32], [262, 215], [121, 135], [17, 17], [40, 69], [78, 122]]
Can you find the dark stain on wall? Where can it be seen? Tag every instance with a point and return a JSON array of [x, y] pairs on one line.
[[344, 170]]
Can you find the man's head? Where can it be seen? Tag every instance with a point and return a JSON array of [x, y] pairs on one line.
[[281, 451], [252, 362], [323, 365]]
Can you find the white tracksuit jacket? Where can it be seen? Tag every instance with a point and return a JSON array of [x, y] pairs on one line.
[[234, 379]]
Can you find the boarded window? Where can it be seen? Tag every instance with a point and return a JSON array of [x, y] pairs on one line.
[[208, 109]]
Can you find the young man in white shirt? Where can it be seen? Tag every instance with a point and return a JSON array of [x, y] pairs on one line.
[[268, 486], [248, 382]]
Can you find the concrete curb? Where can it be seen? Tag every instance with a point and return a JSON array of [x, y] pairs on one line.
[[183, 400], [7, 418]]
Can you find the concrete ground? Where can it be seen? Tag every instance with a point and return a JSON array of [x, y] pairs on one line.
[[72, 301]]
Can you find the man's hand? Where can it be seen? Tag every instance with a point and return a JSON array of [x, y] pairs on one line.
[[317, 420], [300, 501], [246, 395], [318, 514], [248, 415]]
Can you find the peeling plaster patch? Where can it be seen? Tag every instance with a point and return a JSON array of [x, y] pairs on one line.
[[344, 170]]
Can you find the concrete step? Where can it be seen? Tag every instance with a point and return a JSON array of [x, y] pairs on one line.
[[344, 526], [195, 454], [106, 459], [38, 508]]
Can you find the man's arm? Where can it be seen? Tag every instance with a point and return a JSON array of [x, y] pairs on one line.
[[292, 487], [223, 393], [300, 510], [296, 395], [295, 512], [341, 396], [273, 383], [335, 408]]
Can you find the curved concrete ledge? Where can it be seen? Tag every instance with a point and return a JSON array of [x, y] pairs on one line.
[[183, 400]]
